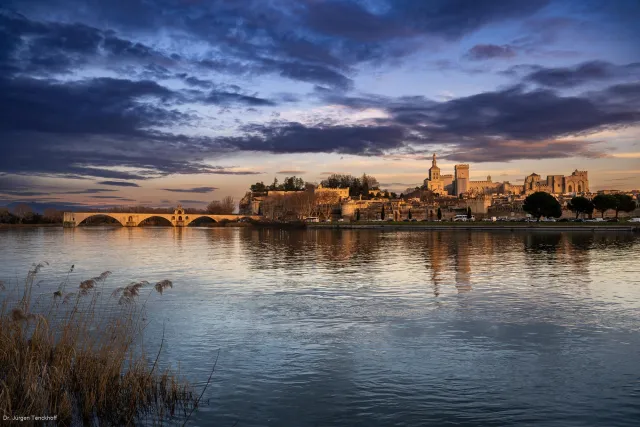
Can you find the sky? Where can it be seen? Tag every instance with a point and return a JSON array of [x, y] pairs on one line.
[[160, 102]]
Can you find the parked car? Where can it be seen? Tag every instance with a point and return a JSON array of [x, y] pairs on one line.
[[612, 220], [634, 220], [564, 220], [596, 220]]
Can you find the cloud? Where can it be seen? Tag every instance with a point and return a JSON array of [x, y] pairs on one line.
[[192, 201], [483, 52], [119, 183], [191, 190], [587, 72], [294, 137], [24, 193], [112, 197], [88, 191], [500, 125], [292, 172], [229, 98]]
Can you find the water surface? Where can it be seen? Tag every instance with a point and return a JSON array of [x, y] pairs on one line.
[[373, 328]]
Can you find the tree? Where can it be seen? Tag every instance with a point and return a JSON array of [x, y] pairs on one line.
[[293, 183], [604, 202], [386, 194], [53, 215], [258, 187], [224, 207], [394, 195], [357, 214], [22, 211], [275, 185], [410, 215], [623, 203], [580, 205], [382, 213], [439, 214], [469, 215], [541, 204]]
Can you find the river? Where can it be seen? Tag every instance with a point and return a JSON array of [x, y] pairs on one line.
[[374, 328]]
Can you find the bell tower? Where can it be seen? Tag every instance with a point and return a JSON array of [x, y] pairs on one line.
[[434, 171]]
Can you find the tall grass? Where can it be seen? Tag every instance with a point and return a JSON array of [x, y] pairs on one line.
[[78, 356]]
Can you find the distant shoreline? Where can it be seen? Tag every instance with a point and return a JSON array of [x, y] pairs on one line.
[[480, 226], [411, 226]]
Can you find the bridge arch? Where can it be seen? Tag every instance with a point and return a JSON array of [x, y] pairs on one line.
[[198, 220], [165, 221], [81, 220]]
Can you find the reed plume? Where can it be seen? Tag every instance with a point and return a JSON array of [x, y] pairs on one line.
[[84, 365]]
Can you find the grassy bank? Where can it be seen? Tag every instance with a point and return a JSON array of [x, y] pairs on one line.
[[75, 356]]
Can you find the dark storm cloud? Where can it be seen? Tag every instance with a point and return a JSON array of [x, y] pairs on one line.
[[119, 183], [292, 137], [583, 73], [191, 190], [315, 42], [56, 47], [482, 52], [93, 106], [492, 126], [87, 127], [406, 18], [121, 128]]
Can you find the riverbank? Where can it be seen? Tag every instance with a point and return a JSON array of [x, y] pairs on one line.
[[481, 226]]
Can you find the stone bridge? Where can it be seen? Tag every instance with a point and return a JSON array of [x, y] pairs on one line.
[[177, 219]]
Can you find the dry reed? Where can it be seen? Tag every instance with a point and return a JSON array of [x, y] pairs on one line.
[[81, 365]]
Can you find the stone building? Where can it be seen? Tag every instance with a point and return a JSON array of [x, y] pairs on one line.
[[461, 183], [577, 182], [341, 193]]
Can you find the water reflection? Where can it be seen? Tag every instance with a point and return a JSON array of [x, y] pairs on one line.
[[348, 328]]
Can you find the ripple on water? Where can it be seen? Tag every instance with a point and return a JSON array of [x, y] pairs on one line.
[[366, 328]]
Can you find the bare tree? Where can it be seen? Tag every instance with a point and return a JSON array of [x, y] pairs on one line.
[[22, 210], [225, 206], [53, 215]]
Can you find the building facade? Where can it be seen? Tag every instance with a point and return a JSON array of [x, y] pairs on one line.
[[461, 183]]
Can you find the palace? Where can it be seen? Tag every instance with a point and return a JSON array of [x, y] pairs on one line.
[[459, 183]]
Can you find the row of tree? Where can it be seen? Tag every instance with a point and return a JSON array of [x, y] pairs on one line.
[[22, 213], [357, 186], [365, 186], [290, 183], [602, 203], [541, 204]]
